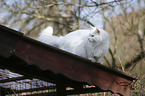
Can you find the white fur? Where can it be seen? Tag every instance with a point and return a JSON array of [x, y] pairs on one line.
[[92, 44], [47, 37], [86, 43]]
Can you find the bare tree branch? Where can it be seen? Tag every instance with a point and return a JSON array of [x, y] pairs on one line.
[[135, 60]]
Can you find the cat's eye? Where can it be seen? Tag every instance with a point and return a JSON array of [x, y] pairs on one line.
[[92, 35]]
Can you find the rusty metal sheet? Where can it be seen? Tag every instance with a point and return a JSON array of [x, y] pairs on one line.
[[74, 68], [8, 37]]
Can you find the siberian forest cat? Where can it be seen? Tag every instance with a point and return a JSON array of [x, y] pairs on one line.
[[92, 43]]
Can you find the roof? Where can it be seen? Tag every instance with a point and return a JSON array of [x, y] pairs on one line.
[[35, 59]]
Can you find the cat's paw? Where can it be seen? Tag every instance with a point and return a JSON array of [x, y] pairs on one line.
[[92, 59], [100, 62]]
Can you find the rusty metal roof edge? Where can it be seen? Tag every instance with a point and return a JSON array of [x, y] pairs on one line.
[[105, 68], [11, 30]]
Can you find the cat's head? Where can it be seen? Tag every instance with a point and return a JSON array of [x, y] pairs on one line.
[[98, 35]]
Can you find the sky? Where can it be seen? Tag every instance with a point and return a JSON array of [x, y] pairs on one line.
[[95, 19]]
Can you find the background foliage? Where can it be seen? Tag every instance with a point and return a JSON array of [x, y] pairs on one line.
[[124, 20]]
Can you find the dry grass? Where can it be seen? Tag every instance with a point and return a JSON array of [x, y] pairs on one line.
[[129, 47]]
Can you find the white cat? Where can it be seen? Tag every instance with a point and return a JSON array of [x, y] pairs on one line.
[[92, 44], [47, 37]]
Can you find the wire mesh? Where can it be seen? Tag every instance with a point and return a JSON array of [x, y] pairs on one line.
[[24, 87]]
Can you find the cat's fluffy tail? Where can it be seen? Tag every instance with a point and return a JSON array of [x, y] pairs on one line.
[[47, 32]]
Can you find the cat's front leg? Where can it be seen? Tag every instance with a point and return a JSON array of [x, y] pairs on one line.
[[98, 60]]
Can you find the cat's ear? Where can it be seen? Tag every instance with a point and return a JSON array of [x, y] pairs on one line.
[[98, 31]]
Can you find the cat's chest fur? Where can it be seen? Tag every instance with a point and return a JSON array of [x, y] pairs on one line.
[[96, 50]]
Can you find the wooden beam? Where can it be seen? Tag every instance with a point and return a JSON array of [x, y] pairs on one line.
[[60, 88], [84, 91], [44, 94], [13, 79]]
